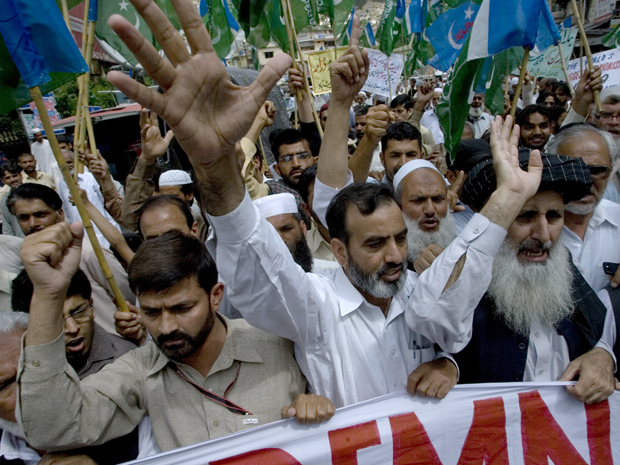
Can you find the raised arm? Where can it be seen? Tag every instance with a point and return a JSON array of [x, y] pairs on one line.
[[206, 111], [377, 121], [348, 75]]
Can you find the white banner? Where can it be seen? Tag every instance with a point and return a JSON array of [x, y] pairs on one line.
[[508, 423], [548, 63], [377, 81], [609, 61]]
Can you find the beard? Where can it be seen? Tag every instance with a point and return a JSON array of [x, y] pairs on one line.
[[301, 254], [523, 291], [476, 112], [418, 238], [189, 343], [371, 283], [12, 427]]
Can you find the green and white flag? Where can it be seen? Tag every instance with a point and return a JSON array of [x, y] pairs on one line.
[[337, 11], [391, 32], [456, 99], [213, 14], [506, 62], [612, 38], [277, 25]]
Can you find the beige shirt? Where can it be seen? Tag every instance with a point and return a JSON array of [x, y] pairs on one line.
[[319, 247], [59, 411], [249, 171], [40, 178]]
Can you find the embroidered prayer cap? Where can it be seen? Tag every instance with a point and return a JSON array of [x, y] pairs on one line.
[[174, 178], [469, 153], [276, 204], [409, 167], [570, 177]]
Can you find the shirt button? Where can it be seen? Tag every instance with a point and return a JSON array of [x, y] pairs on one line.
[[36, 363], [521, 346], [216, 423], [537, 334], [394, 384], [476, 231], [540, 372], [393, 352]]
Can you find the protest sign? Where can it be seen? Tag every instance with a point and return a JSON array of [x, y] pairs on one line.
[[609, 62], [548, 63], [319, 62], [377, 81], [504, 423]]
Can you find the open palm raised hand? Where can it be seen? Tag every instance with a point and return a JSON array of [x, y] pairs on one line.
[[204, 109]]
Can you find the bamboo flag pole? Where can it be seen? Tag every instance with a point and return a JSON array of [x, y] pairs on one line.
[[35, 92], [586, 46], [85, 103], [291, 22], [563, 62], [526, 56], [65, 13], [79, 128], [291, 46], [507, 78]]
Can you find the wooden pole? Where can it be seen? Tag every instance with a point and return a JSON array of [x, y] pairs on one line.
[[86, 94], [315, 116], [35, 92], [387, 65], [586, 46], [526, 56], [507, 78], [79, 128], [563, 62], [65, 13]]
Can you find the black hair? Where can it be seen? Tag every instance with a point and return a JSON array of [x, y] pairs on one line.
[[165, 261], [402, 99], [30, 191], [10, 168], [542, 97], [401, 131], [303, 184], [163, 200], [367, 197], [563, 86], [286, 137], [25, 154], [22, 290], [524, 115], [362, 111]]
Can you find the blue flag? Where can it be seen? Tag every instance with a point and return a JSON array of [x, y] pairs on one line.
[[370, 36], [449, 32], [350, 26], [38, 41], [502, 24], [415, 17]]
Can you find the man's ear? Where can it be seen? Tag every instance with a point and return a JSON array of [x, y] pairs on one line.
[[216, 295], [276, 168], [61, 214], [450, 176], [194, 230], [339, 249], [304, 228], [382, 158]]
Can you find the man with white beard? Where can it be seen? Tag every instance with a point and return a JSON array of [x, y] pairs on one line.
[[478, 117], [539, 320], [423, 197], [591, 224]]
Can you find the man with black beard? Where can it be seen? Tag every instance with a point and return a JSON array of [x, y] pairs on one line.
[[539, 320], [181, 379], [478, 117], [422, 194], [281, 211]]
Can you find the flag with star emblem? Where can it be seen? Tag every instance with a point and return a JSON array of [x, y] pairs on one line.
[[36, 49], [214, 17], [104, 33], [390, 31], [448, 34]]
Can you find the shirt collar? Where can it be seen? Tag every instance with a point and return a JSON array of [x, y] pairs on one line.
[[349, 297], [238, 346], [600, 215], [14, 448]]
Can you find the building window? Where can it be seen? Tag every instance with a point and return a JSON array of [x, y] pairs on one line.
[[329, 43], [268, 54]]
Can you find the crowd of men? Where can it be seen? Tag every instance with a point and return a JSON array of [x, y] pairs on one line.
[[363, 263]]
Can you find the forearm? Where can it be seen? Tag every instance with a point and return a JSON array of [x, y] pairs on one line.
[[334, 155], [221, 184], [113, 235], [112, 199], [257, 127], [46, 322], [138, 188], [359, 163], [304, 108]]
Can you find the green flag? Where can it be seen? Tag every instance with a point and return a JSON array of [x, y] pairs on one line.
[[305, 13], [337, 13], [255, 26], [216, 22], [457, 97], [504, 63], [390, 32], [612, 38], [106, 34], [277, 25]]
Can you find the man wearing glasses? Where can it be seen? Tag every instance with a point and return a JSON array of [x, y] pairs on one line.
[[591, 224]]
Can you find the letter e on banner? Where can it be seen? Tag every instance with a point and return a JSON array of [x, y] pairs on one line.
[[260, 457], [486, 440], [411, 441], [542, 436], [345, 442], [599, 430]]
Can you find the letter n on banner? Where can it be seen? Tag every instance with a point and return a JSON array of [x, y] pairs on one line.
[[543, 438], [486, 440], [411, 442], [260, 457], [345, 442]]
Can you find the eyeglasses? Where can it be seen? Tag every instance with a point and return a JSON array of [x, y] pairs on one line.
[[300, 156], [607, 115], [80, 314], [600, 171]]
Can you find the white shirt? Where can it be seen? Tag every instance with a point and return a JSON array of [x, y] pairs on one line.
[[42, 152], [601, 243], [14, 448], [481, 124], [430, 121], [87, 182]]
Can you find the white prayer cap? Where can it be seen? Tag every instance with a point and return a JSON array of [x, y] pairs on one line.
[[610, 94], [37, 131], [514, 81], [409, 167], [174, 178], [276, 204], [438, 89]]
